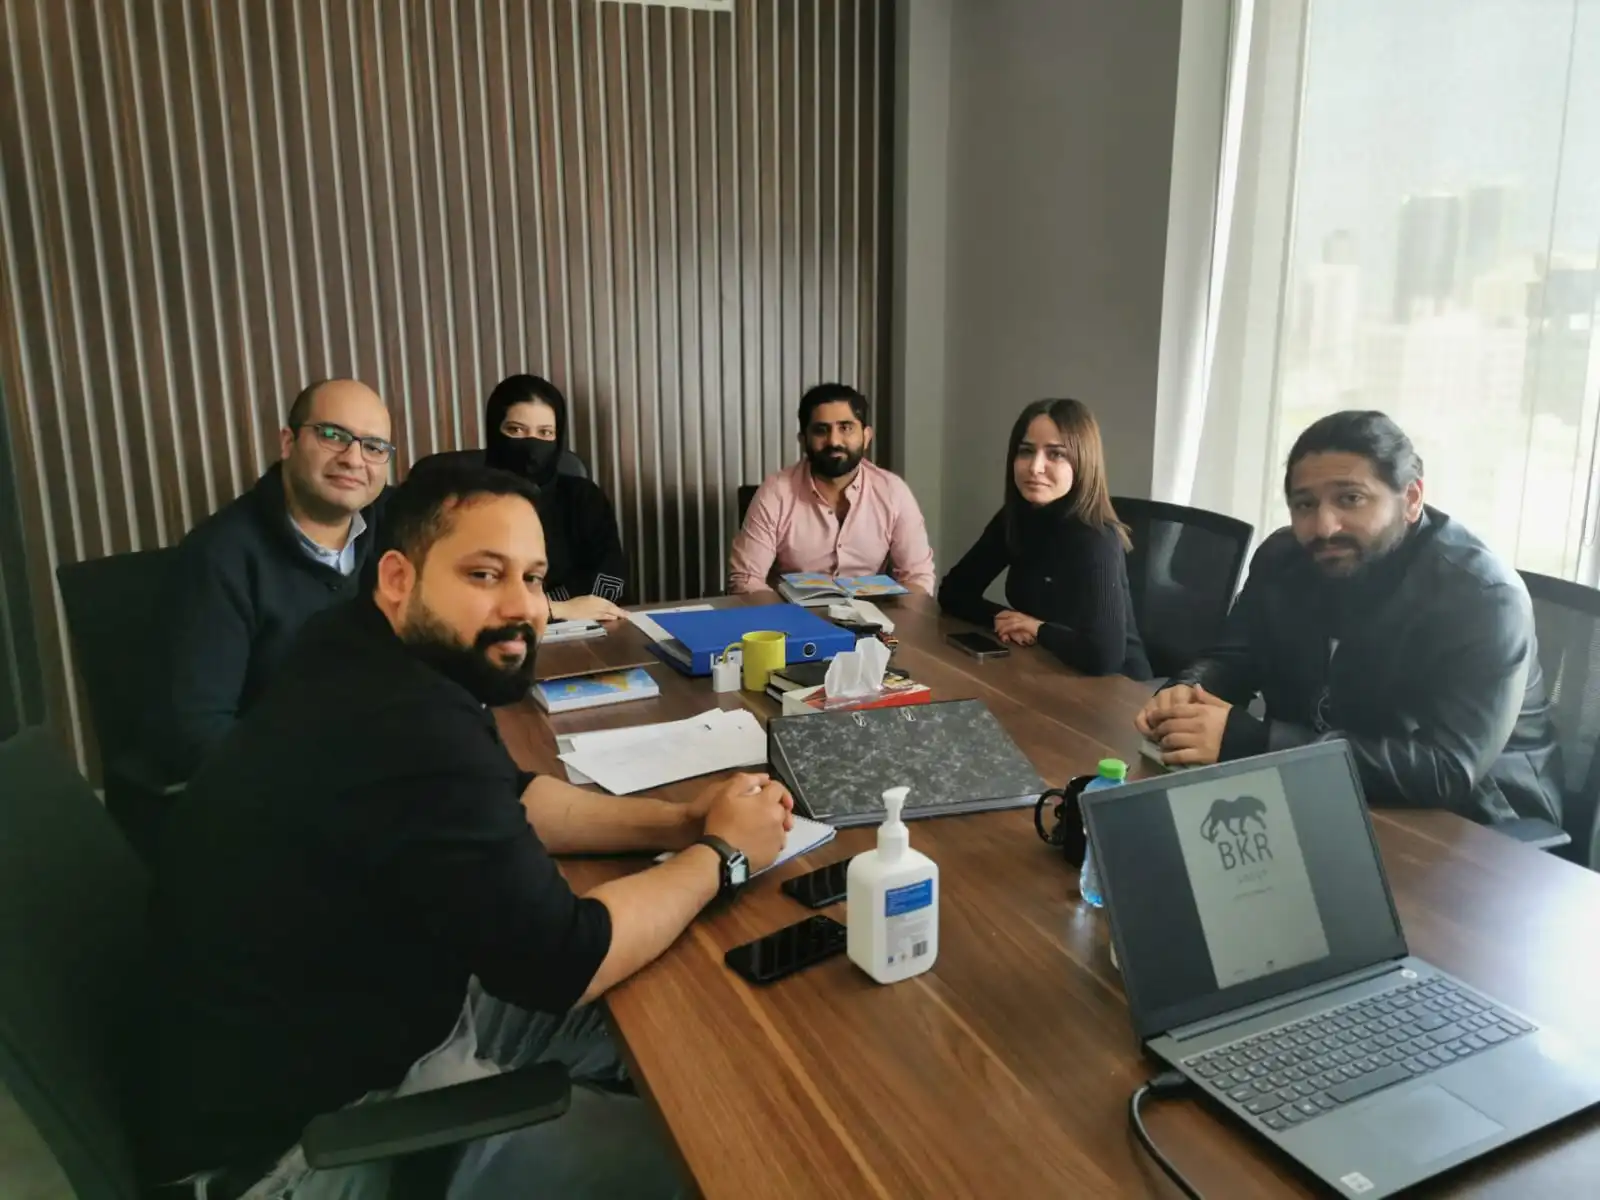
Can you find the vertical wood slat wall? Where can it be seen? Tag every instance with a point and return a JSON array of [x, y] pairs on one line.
[[677, 215]]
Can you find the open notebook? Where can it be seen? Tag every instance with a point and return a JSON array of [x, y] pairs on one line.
[[811, 589]]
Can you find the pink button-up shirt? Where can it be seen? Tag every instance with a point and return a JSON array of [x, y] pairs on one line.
[[790, 527]]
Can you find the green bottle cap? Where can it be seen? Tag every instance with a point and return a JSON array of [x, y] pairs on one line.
[[1113, 768]]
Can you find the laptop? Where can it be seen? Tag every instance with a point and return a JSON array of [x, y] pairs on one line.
[[1263, 958]]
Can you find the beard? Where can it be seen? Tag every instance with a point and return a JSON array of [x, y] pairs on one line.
[[834, 462], [436, 644], [1363, 556]]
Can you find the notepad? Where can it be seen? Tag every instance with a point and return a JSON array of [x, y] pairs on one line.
[[571, 631], [716, 740], [806, 836]]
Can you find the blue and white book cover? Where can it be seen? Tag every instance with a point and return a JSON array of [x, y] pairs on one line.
[[589, 691]]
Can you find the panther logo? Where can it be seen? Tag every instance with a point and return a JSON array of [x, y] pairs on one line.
[[1229, 816]]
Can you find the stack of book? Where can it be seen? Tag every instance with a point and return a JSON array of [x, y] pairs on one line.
[[595, 691], [798, 688]]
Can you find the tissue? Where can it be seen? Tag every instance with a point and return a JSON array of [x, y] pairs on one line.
[[857, 672]]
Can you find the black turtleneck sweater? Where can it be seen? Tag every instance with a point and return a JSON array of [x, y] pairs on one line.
[[1071, 576]]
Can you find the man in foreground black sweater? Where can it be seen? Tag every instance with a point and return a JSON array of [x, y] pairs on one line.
[[249, 575], [1376, 619], [357, 892]]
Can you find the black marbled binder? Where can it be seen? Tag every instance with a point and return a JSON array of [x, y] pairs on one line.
[[953, 755]]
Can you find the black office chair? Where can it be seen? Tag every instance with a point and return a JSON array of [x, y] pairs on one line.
[[1183, 572], [1566, 618], [72, 908], [570, 464], [113, 614], [747, 493]]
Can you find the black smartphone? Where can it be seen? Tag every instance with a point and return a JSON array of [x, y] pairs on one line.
[[787, 951], [819, 888], [979, 645]]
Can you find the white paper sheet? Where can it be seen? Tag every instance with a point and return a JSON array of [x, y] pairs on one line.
[[601, 739], [653, 631], [714, 741]]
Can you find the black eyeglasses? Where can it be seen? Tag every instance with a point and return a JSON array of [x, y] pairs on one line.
[[337, 439]]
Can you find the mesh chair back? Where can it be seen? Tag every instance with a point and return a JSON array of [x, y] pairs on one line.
[[1566, 620], [72, 903], [1183, 571], [113, 607]]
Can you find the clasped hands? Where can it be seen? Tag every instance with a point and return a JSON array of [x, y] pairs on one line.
[[1187, 723], [752, 813], [1016, 629]]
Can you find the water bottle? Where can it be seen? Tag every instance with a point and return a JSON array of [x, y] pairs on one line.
[[1111, 773]]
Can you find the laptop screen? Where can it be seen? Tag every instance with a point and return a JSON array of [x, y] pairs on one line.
[[1233, 884]]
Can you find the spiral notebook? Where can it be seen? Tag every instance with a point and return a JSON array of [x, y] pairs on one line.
[[806, 836]]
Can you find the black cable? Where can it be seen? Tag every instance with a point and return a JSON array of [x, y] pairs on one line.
[[1164, 1084]]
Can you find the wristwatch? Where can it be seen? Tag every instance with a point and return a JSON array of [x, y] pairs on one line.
[[735, 870]]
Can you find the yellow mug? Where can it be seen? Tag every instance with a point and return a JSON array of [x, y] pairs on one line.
[[764, 652]]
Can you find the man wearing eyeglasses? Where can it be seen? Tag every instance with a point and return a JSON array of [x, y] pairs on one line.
[[249, 575]]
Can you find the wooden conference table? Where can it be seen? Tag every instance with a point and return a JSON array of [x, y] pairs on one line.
[[1005, 1070]]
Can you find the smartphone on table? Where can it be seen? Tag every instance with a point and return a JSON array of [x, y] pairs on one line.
[[789, 950], [819, 888], [979, 645]]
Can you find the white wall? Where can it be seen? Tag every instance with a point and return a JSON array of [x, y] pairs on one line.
[[1059, 154]]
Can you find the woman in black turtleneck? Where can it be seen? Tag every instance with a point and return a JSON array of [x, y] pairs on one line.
[[526, 425], [1068, 584]]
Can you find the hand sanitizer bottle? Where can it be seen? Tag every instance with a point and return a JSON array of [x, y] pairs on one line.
[[892, 895]]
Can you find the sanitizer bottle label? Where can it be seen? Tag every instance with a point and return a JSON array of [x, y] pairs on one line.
[[907, 915]]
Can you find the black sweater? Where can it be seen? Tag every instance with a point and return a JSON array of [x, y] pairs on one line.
[[326, 888], [239, 593], [580, 533], [1072, 577]]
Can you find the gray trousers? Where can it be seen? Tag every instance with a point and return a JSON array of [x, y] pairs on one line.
[[606, 1146]]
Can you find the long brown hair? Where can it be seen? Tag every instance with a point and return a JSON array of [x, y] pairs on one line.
[[1090, 498]]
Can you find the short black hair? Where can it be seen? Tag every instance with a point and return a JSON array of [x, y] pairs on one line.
[[832, 393], [1366, 432], [422, 510]]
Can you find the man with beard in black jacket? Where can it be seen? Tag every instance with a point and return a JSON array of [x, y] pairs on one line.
[[1377, 619]]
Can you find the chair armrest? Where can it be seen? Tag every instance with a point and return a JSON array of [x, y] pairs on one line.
[[135, 771], [1535, 832], [446, 1116]]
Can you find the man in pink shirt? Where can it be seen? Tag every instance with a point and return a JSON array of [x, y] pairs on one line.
[[832, 511]]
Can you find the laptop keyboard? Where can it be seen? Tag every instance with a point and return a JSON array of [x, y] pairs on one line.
[[1296, 1073]]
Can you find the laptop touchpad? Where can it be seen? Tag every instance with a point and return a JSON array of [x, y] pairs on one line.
[[1427, 1124]]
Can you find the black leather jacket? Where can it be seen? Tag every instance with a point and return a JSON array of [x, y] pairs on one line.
[[1427, 666]]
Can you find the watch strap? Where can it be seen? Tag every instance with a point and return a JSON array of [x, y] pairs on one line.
[[725, 855]]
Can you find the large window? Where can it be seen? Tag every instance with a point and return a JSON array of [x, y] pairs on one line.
[[1443, 256]]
